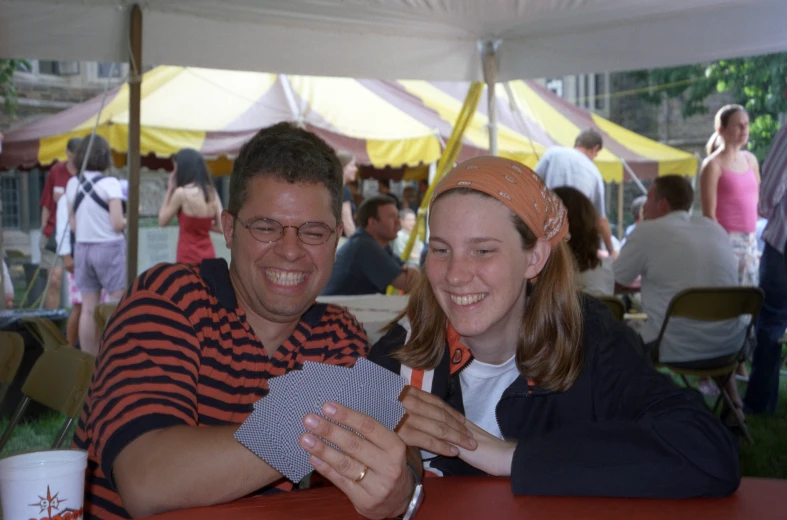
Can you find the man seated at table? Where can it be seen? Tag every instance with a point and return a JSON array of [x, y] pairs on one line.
[[366, 264], [191, 348], [673, 250]]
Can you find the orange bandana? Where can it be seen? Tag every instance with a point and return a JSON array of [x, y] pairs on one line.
[[518, 188]]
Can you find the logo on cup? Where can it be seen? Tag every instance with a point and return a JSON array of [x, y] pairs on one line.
[[51, 503]]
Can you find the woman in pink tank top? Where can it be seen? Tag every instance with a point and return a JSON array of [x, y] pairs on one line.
[[729, 188]]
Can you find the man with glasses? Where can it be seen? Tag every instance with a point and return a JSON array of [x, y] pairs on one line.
[[366, 263], [190, 349]]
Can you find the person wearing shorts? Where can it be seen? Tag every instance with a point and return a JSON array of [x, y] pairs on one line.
[[95, 203]]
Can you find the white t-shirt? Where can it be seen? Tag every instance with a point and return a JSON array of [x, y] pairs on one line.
[[62, 228], [673, 253], [482, 387], [562, 166], [92, 221], [599, 281]]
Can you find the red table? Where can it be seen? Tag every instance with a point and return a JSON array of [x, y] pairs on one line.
[[454, 498]]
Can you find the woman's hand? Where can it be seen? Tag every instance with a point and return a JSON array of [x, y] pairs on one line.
[[493, 456], [371, 470], [432, 425]]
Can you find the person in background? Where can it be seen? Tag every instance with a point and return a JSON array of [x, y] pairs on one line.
[[563, 166], [410, 196], [408, 219], [549, 383], [636, 213], [54, 188], [349, 174], [729, 187], [762, 392], [8, 287], [595, 274], [192, 197], [96, 209], [366, 264], [673, 250], [384, 187]]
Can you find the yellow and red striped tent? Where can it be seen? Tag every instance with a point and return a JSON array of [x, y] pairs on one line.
[[384, 123]]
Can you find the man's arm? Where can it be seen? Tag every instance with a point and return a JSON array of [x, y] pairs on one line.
[[774, 175], [606, 235], [187, 466], [407, 280]]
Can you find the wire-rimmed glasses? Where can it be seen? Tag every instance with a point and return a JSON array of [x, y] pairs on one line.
[[267, 230]]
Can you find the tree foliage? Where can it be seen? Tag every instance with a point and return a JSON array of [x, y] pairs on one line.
[[758, 83], [7, 87]]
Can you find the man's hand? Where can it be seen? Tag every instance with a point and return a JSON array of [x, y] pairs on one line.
[[493, 456], [68, 263], [431, 424], [371, 470]]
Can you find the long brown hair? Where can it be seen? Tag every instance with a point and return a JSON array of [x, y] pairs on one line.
[[582, 226], [549, 348]]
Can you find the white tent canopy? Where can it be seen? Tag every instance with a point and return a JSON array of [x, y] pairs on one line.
[[399, 39]]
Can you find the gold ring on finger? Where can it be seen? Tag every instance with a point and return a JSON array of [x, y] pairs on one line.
[[363, 474]]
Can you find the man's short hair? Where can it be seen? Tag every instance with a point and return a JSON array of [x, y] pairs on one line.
[[676, 190], [370, 207], [285, 152], [636, 206], [73, 144], [589, 139], [100, 157]]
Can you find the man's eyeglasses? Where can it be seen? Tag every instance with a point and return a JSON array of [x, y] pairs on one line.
[[267, 230]]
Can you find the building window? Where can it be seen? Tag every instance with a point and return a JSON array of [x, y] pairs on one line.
[[555, 86], [601, 90], [109, 70], [58, 68], [9, 190]]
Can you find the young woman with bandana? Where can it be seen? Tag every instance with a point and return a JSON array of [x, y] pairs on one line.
[[498, 343]]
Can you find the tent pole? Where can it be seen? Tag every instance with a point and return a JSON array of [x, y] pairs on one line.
[[135, 87], [634, 177], [620, 210], [489, 55]]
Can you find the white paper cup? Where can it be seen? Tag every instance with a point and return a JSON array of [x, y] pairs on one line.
[[43, 484]]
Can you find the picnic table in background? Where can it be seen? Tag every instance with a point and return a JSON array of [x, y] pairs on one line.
[[374, 311]]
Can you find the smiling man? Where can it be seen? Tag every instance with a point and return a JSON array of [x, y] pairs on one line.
[[190, 348]]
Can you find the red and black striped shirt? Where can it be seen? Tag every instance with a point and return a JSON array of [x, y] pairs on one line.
[[179, 351]]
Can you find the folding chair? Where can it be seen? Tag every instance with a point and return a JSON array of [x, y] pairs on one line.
[[59, 380], [45, 332], [615, 306], [101, 316], [714, 304], [12, 350]]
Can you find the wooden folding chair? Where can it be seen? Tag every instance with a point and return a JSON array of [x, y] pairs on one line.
[[45, 332], [715, 304], [59, 380], [615, 306], [12, 350]]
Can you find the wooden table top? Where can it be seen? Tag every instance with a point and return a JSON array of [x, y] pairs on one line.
[[490, 498]]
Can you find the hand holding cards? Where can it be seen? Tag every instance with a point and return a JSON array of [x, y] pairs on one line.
[[274, 427]]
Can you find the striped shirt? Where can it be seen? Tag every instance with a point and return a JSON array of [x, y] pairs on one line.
[[773, 188], [179, 351]]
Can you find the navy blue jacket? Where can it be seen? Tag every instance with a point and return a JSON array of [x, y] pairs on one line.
[[622, 430]]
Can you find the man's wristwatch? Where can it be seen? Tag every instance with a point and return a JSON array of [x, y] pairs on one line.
[[416, 499]]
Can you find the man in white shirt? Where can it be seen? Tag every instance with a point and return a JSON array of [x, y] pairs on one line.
[[672, 251], [574, 167]]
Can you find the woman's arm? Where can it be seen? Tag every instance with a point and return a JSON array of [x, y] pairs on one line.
[[347, 219], [709, 183], [648, 438], [216, 225], [116, 217], [172, 203]]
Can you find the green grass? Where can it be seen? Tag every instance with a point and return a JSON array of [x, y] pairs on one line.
[[767, 457]]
